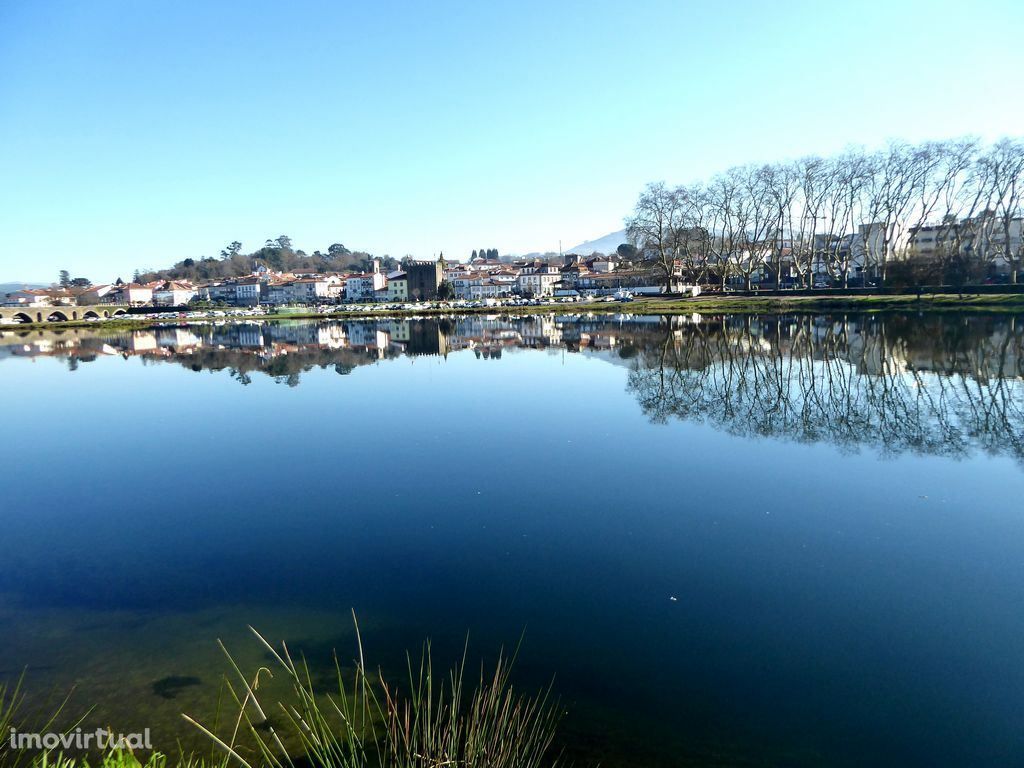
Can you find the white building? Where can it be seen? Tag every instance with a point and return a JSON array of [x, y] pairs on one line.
[[364, 287], [305, 290], [489, 288], [398, 286], [133, 294], [173, 294], [247, 292], [540, 282]]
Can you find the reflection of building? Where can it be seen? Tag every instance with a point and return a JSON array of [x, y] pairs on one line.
[[426, 339]]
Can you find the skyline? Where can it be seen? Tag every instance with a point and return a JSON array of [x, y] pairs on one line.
[[138, 137]]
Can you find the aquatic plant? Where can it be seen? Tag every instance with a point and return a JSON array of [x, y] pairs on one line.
[[12, 719], [115, 759], [427, 720], [371, 721]]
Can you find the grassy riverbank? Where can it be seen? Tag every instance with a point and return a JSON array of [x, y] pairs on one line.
[[707, 304]]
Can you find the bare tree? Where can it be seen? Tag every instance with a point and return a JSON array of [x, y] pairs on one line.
[[938, 210], [1003, 165], [654, 228]]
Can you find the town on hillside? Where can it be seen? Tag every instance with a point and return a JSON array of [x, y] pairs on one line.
[[478, 280], [986, 251]]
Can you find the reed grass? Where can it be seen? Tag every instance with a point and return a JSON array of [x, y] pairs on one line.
[[10, 702], [13, 717], [459, 718], [115, 759], [429, 720]]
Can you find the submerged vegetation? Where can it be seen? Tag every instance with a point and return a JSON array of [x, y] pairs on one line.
[[282, 719]]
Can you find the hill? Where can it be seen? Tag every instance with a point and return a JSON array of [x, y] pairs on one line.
[[15, 285], [605, 245]]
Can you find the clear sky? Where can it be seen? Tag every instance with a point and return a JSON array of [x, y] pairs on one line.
[[135, 134]]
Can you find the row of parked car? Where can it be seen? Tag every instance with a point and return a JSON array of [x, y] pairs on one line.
[[342, 309]]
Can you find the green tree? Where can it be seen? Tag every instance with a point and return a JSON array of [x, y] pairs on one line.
[[65, 278], [233, 249]]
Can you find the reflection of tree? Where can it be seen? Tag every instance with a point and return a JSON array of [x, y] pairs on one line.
[[930, 384], [923, 385]]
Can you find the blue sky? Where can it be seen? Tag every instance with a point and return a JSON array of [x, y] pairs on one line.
[[139, 133]]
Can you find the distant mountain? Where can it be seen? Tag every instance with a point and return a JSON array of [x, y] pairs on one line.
[[605, 245], [6, 288]]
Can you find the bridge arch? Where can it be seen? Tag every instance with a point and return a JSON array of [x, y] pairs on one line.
[[90, 313], [23, 317], [57, 316]]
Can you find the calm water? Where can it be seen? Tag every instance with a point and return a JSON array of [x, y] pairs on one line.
[[834, 503]]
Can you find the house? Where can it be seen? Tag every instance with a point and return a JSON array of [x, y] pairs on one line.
[[247, 292], [364, 287], [506, 277], [31, 297], [132, 294], [306, 290], [221, 293], [987, 237], [530, 267], [539, 281], [571, 274], [489, 288], [398, 286], [94, 294], [460, 284], [174, 293]]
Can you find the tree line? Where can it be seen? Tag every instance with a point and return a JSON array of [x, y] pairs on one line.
[[850, 217], [276, 254]]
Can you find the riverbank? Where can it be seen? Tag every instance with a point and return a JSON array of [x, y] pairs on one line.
[[706, 304]]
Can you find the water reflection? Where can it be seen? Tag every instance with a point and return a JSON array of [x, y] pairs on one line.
[[926, 385], [931, 384]]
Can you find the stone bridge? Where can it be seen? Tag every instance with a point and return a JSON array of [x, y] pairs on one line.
[[57, 314]]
